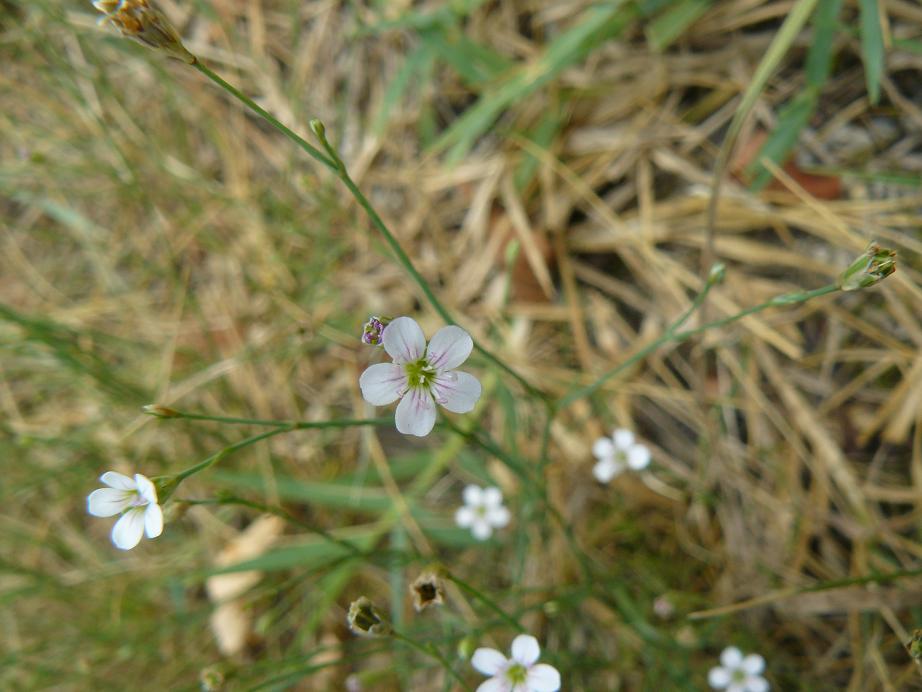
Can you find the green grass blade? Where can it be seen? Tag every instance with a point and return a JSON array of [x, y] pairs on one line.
[[791, 120], [672, 23], [872, 47], [819, 58]]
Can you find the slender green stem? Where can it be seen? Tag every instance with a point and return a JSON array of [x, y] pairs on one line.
[[311, 150], [291, 424], [673, 336], [486, 600], [432, 652]]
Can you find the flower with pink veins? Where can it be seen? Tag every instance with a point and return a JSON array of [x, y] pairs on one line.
[[520, 673]]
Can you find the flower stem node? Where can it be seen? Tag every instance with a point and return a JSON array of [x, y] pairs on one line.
[[373, 331], [142, 21], [428, 590], [159, 411], [365, 620], [135, 499], [421, 376], [873, 266]]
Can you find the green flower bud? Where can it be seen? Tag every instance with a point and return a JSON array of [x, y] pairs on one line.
[[873, 266]]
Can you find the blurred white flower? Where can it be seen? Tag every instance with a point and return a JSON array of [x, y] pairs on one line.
[[616, 453], [135, 499], [482, 512], [738, 673], [520, 673], [421, 376]]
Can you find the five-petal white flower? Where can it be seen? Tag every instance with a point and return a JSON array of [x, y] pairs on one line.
[[482, 512], [616, 453], [521, 673], [738, 673], [420, 376], [135, 499]]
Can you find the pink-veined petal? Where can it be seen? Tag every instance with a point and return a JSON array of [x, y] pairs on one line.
[[756, 683], [623, 438], [525, 650], [114, 479], [498, 517], [153, 520], [492, 497], [603, 448], [495, 685], [473, 495], [753, 664], [146, 488], [107, 502], [383, 383], [457, 391], [481, 529], [126, 533], [488, 661], [449, 347], [719, 678], [638, 457], [543, 678], [605, 470], [464, 517], [404, 340], [415, 412], [731, 657]]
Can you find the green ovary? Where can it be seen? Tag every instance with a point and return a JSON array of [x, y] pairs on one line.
[[516, 674], [419, 374]]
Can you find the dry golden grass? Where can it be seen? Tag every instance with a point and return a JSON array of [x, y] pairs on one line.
[[161, 245]]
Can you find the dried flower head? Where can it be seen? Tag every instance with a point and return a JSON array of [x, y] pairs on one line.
[[142, 21], [873, 266], [365, 620], [427, 590]]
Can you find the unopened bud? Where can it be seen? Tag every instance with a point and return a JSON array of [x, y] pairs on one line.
[[717, 274], [373, 331], [161, 411], [318, 128], [365, 620], [143, 21], [873, 266]]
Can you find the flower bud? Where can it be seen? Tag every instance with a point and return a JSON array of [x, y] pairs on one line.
[[161, 411], [373, 331], [365, 620], [143, 21], [873, 266], [428, 590]]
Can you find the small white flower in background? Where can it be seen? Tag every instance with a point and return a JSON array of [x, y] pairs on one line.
[[616, 453], [738, 673], [421, 376], [482, 512], [135, 499], [521, 673]]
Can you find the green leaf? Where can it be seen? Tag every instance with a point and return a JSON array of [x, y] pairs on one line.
[[819, 58], [672, 23], [791, 120], [872, 47]]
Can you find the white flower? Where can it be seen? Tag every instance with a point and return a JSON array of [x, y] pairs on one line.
[[420, 376], [617, 453], [520, 673], [482, 512], [135, 499], [737, 673]]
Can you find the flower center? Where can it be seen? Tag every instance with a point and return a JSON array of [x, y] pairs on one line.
[[738, 675], [137, 500], [481, 511], [419, 373], [516, 673]]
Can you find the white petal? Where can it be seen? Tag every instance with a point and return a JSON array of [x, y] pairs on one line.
[[638, 457], [719, 678], [543, 678], [153, 520], [404, 340], [737, 687], [481, 529], [449, 347], [383, 383], [756, 683], [488, 661], [525, 650], [498, 517], [605, 470], [127, 531], [603, 448], [473, 496], [464, 517], [415, 412], [623, 438], [107, 502], [731, 657], [118, 480], [146, 489], [495, 685], [492, 497], [457, 391], [753, 664]]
